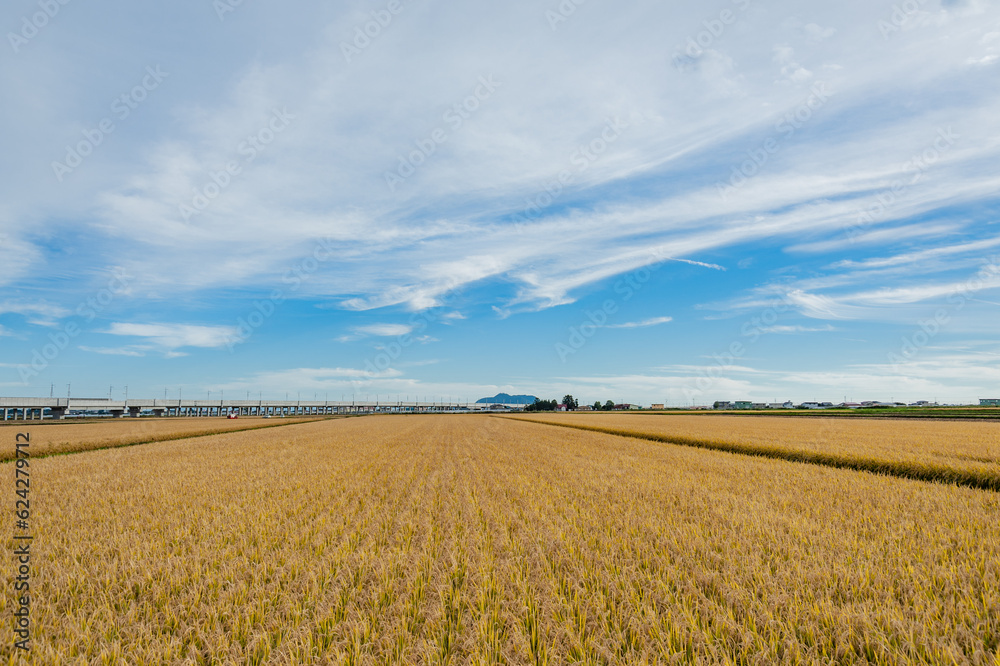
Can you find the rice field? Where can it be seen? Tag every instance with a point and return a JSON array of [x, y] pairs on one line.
[[479, 540], [48, 438], [965, 452]]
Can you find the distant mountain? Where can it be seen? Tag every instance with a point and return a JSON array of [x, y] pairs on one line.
[[504, 399]]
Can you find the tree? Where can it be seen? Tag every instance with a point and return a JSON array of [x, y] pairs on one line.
[[569, 402], [542, 406], [597, 405], [609, 405]]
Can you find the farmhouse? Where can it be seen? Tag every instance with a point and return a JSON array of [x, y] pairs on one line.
[[989, 402]]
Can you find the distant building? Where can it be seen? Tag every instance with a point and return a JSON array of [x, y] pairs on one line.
[[989, 402], [809, 405], [722, 404], [585, 408], [743, 404], [656, 405], [760, 405], [788, 404]]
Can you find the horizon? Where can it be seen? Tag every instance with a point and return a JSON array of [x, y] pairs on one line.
[[640, 203]]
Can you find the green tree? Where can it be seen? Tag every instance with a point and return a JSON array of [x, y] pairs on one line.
[[609, 405], [542, 406], [569, 402], [597, 405]]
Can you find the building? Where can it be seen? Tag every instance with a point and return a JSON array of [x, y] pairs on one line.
[[788, 404], [656, 405], [760, 405], [743, 404], [989, 402], [722, 404]]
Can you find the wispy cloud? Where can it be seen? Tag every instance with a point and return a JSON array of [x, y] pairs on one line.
[[136, 351], [795, 329], [37, 313], [652, 321], [171, 337], [375, 330], [384, 330]]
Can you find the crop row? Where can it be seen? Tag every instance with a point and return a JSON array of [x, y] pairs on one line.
[[476, 540], [965, 454]]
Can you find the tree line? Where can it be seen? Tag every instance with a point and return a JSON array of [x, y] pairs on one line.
[[570, 402]]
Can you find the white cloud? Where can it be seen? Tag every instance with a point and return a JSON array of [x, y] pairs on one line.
[[323, 177], [117, 351], [384, 330], [795, 328], [174, 336], [652, 321], [38, 313]]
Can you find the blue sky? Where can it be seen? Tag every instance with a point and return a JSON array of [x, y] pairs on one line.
[[645, 202]]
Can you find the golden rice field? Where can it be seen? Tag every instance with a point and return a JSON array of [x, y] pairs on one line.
[[965, 452], [479, 540], [64, 437]]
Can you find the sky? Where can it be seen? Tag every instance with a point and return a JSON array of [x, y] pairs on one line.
[[645, 202]]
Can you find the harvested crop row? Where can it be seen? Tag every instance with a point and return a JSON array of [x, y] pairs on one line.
[[966, 454], [478, 540], [75, 437]]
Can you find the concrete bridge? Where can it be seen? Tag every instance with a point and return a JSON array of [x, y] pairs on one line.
[[60, 408]]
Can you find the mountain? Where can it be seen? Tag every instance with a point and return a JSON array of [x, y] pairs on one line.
[[505, 399]]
